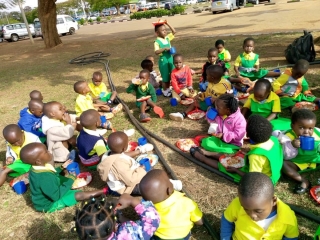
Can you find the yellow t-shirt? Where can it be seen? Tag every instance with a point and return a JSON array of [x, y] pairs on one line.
[[217, 89], [83, 103], [100, 147], [259, 163], [284, 225], [170, 36], [28, 138], [226, 55], [276, 108], [247, 56], [96, 90], [177, 215]]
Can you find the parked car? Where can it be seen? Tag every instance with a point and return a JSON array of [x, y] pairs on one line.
[[199, 1], [14, 32], [223, 5], [183, 2], [162, 4], [154, 5], [1, 33], [143, 8], [191, 1], [257, 1], [169, 5]]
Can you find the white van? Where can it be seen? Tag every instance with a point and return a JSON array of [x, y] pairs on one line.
[[65, 24]]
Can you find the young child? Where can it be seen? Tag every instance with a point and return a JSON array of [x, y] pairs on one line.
[[228, 128], [262, 101], [216, 87], [257, 213], [84, 100], [36, 95], [15, 140], [265, 153], [177, 213], [303, 123], [99, 92], [59, 128], [143, 90], [247, 63], [50, 191], [99, 219], [162, 48], [30, 118], [223, 54], [90, 143], [181, 80], [148, 65], [292, 87]]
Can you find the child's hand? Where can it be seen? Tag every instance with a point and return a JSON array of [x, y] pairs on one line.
[[166, 49], [126, 200], [65, 165], [192, 71], [296, 143], [9, 160], [218, 135], [66, 118]]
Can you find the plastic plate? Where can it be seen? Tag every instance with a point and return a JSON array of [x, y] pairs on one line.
[[305, 105], [153, 158], [83, 179], [143, 99], [196, 114], [187, 143], [132, 146], [187, 101], [314, 191], [236, 161], [159, 22]]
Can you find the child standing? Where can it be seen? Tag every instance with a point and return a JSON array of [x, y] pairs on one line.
[[257, 213], [51, 192], [265, 153], [90, 143], [181, 80], [224, 55], [216, 87], [143, 90], [177, 213], [148, 65], [98, 219], [15, 140], [247, 63], [162, 48], [303, 123], [292, 87], [262, 101]]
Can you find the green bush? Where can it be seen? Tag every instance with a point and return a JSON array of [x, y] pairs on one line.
[[98, 19], [81, 21], [90, 20], [157, 13]]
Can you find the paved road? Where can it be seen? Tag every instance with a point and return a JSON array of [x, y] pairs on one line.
[[281, 17]]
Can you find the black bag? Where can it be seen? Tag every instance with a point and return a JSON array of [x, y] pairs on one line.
[[301, 48]]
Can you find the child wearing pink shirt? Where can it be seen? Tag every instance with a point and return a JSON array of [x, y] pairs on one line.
[[181, 80]]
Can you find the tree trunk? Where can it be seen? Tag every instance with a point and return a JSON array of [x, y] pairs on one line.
[[25, 22], [48, 19]]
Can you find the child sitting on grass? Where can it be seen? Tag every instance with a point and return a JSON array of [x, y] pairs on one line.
[[181, 80], [59, 128], [15, 140], [148, 65], [228, 128], [177, 213], [143, 90], [36, 95], [162, 48], [303, 123], [247, 63], [292, 87], [265, 153], [84, 100], [223, 54], [99, 92], [257, 213], [30, 118], [50, 191], [262, 101], [217, 86], [90, 143], [99, 219]]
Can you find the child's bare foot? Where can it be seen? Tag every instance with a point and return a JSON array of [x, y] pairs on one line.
[[144, 117], [158, 110]]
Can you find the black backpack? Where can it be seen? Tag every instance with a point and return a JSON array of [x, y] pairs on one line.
[[301, 48]]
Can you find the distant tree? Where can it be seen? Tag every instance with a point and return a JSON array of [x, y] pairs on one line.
[[2, 6], [117, 4], [27, 9], [32, 15], [98, 5]]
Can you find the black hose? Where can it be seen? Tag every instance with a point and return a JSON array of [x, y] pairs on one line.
[[291, 65]]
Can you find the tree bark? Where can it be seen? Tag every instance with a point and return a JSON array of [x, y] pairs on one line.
[[48, 19]]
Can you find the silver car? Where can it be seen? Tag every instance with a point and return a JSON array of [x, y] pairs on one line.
[[223, 5], [13, 32]]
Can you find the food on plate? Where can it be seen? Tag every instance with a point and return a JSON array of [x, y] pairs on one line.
[[108, 115], [232, 161], [186, 144], [187, 101], [153, 158], [82, 181], [196, 115], [305, 105], [317, 193], [143, 98]]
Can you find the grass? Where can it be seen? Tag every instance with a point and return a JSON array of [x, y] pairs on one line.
[[25, 67]]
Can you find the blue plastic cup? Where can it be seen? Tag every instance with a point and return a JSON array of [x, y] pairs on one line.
[[73, 168], [173, 102], [307, 143], [208, 101], [103, 119], [159, 92], [277, 70], [146, 163], [173, 50], [142, 141], [212, 113], [20, 187], [102, 94]]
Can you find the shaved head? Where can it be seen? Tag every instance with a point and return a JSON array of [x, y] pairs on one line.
[[118, 142], [12, 133], [89, 119], [31, 153], [155, 186], [36, 95]]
